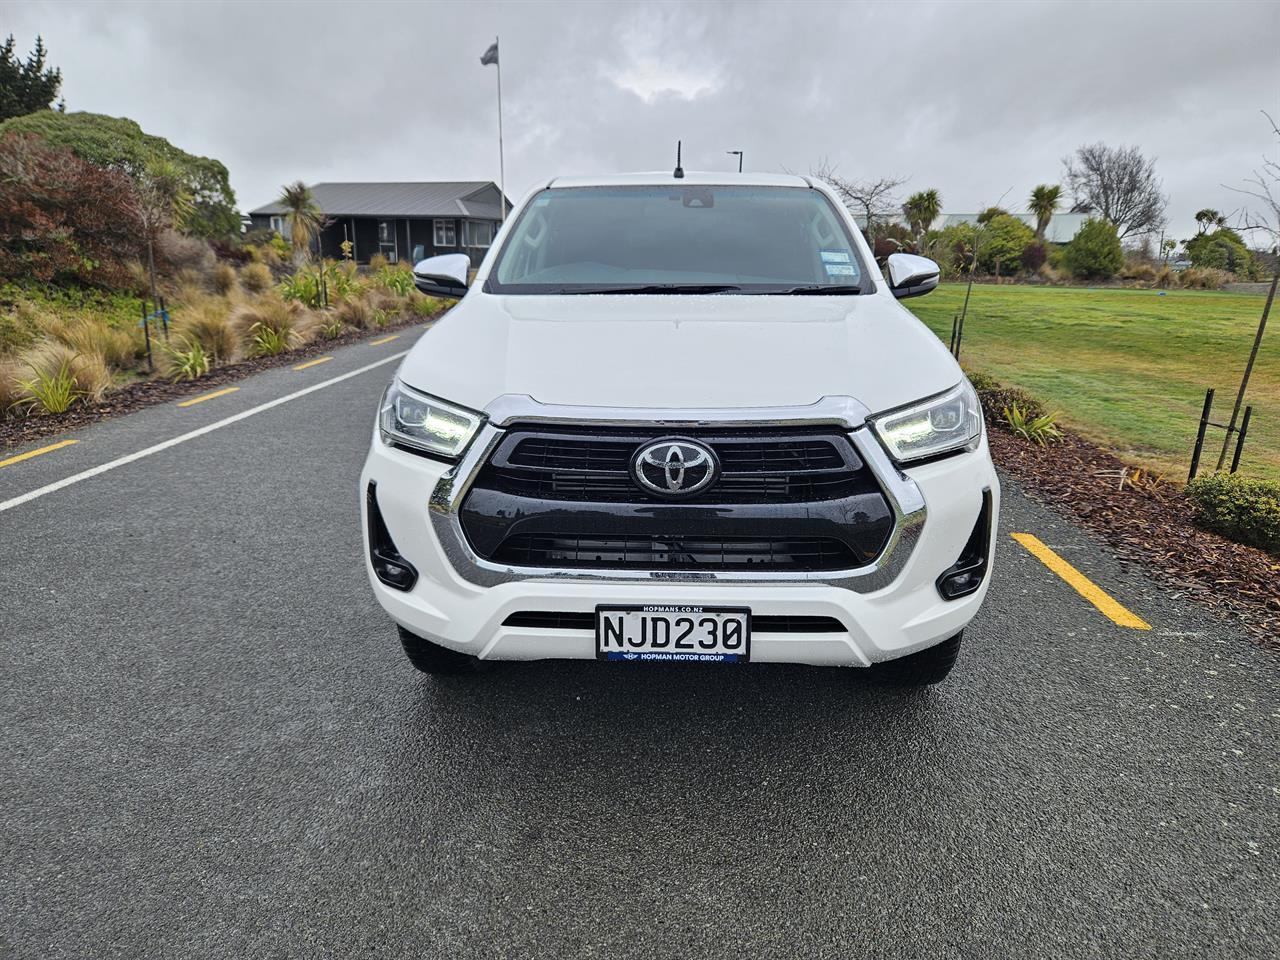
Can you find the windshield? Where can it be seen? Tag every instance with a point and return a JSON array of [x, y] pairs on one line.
[[678, 239]]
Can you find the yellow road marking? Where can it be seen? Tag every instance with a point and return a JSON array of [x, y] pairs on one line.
[[35, 453], [313, 363], [208, 396], [382, 340], [1109, 607]]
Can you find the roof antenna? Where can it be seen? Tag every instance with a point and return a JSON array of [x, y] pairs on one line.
[[679, 174]]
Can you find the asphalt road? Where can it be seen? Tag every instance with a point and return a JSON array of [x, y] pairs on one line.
[[213, 747]]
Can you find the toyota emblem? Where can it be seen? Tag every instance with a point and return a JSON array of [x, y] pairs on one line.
[[674, 467]]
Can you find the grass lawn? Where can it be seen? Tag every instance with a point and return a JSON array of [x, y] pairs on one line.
[[1126, 368]]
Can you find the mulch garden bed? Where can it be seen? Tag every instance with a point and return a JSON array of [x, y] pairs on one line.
[[16, 431], [1148, 523]]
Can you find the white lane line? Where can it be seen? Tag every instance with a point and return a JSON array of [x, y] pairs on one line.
[[183, 438]]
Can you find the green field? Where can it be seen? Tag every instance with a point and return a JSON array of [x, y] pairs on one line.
[[1126, 368]]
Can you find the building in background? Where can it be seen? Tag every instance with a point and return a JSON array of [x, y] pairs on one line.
[[401, 221]]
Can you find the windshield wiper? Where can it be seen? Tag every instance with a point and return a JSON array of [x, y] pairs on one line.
[[662, 288], [816, 289]]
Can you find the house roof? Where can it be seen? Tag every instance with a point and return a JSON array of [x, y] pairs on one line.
[[440, 199]]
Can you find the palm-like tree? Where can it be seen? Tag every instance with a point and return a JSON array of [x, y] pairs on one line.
[[921, 209], [304, 217], [1044, 202]]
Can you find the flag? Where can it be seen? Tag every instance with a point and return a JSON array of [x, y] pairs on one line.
[[490, 55]]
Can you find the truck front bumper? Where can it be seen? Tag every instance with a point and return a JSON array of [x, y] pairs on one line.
[[894, 611]]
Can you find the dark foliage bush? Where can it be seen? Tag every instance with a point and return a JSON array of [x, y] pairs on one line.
[[1222, 250], [117, 143], [1034, 256], [996, 398], [1095, 252], [1244, 510], [62, 219]]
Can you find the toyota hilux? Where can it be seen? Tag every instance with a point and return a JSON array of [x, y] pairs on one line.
[[680, 419]]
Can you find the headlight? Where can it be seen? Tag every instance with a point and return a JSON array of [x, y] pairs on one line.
[[942, 424], [411, 419]]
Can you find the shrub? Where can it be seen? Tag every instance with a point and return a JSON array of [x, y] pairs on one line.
[[224, 279], [1203, 278], [397, 279], [89, 375], [303, 286], [1165, 277], [49, 390], [10, 384], [995, 397], [356, 312], [119, 144], [1034, 256], [89, 336], [187, 361], [421, 305], [1042, 429], [1244, 510], [1003, 239], [268, 310], [1094, 253], [377, 263], [1223, 249], [183, 255], [209, 324], [63, 220], [1139, 270], [256, 277], [331, 325], [267, 342]]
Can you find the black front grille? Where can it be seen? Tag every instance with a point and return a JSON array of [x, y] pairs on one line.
[[675, 552], [577, 620], [785, 500], [790, 468]]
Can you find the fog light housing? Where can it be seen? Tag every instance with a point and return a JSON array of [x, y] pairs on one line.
[[388, 565], [965, 576]]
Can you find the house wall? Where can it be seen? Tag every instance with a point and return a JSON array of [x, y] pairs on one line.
[[408, 231]]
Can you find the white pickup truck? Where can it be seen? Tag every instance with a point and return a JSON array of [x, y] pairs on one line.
[[680, 420]]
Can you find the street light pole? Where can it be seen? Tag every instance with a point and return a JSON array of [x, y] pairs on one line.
[[739, 155]]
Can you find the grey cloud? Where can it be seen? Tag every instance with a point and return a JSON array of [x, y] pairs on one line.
[[972, 98]]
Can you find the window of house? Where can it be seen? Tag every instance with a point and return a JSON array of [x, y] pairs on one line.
[[478, 233], [446, 233], [277, 224]]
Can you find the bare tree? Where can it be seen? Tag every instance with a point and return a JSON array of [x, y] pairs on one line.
[[874, 200], [1119, 184], [1264, 187]]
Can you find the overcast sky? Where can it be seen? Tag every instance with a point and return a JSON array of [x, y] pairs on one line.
[[975, 99]]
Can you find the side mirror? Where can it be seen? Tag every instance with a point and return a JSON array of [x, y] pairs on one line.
[[911, 276], [443, 276]]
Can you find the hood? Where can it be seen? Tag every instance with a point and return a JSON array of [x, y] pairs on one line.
[[679, 352]]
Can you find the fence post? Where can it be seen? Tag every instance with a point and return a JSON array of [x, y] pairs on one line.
[[1244, 429], [1204, 423]]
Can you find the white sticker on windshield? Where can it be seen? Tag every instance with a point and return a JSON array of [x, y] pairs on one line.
[[839, 269], [834, 256]]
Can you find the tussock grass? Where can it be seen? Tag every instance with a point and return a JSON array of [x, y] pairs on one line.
[[209, 324], [256, 277]]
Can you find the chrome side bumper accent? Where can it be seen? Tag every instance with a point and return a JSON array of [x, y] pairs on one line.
[[904, 497]]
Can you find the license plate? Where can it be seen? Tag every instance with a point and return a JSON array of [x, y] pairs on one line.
[[673, 633]]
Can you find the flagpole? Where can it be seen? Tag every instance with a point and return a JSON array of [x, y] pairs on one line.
[[502, 164]]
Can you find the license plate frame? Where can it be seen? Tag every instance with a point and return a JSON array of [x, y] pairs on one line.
[[694, 651]]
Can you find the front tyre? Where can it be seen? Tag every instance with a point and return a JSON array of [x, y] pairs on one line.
[[434, 659], [920, 669]]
